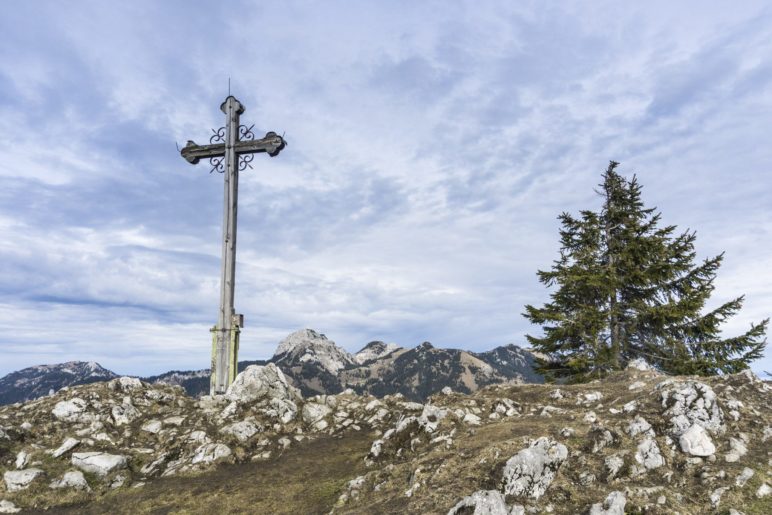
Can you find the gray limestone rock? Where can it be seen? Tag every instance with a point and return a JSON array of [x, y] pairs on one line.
[[68, 445], [125, 384], [260, 383], [483, 502], [22, 458], [648, 454], [688, 403], [8, 507], [99, 463], [744, 476], [530, 472], [613, 505], [243, 430], [696, 441], [16, 480], [314, 415], [69, 410], [72, 479], [210, 452]]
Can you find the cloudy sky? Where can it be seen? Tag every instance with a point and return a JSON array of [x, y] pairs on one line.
[[431, 147]]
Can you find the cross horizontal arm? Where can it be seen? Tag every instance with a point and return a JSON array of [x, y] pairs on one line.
[[271, 144], [193, 152]]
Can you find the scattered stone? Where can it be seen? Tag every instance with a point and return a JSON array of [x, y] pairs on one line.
[[567, 432], [636, 385], [72, 479], [763, 491], [210, 452], [737, 450], [591, 397], [638, 426], [313, 414], [124, 414], [16, 480], [638, 364], [715, 496], [614, 464], [68, 445], [648, 454], [483, 502], [99, 463], [22, 459], [530, 472], [744, 476], [613, 505], [152, 426], [8, 507], [446, 390], [697, 442], [243, 430]]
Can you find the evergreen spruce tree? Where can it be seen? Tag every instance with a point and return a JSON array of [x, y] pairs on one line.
[[628, 288]]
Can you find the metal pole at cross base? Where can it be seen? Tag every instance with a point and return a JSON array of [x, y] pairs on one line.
[[230, 151]]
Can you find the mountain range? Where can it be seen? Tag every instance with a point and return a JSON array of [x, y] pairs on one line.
[[316, 365]]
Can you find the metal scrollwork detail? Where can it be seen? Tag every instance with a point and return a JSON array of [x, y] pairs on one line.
[[218, 136], [245, 161], [245, 133], [218, 164]]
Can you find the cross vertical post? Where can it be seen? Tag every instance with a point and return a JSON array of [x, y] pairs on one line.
[[230, 151]]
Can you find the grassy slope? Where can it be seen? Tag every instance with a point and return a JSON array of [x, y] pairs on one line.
[[307, 479]]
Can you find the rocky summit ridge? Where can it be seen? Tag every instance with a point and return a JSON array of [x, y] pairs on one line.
[[635, 442]]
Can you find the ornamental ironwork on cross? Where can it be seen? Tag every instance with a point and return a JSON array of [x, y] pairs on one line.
[[231, 149]]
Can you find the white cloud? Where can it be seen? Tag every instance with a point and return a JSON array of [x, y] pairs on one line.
[[430, 150]]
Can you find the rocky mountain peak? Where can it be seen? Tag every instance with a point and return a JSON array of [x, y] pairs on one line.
[[308, 346], [425, 346], [375, 350], [33, 382]]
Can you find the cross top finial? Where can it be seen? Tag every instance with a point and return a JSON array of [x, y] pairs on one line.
[[238, 106]]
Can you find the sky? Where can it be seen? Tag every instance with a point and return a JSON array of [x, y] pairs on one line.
[[431, 147]]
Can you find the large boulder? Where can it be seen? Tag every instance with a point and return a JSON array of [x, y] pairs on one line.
[[70, 410], [125, 384], [688, 403], [99, 463], [261, 383], [530, 472], [482, 502], [16, 480], [696, 441]]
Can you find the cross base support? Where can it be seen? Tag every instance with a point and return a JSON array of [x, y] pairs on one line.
[[225, 344]]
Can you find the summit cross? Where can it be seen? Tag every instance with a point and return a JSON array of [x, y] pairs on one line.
[[230, 151]]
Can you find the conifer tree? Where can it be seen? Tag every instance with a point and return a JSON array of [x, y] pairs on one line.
[[629, 288]]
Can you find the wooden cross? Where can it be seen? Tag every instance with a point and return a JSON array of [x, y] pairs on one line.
[[231, 150]]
